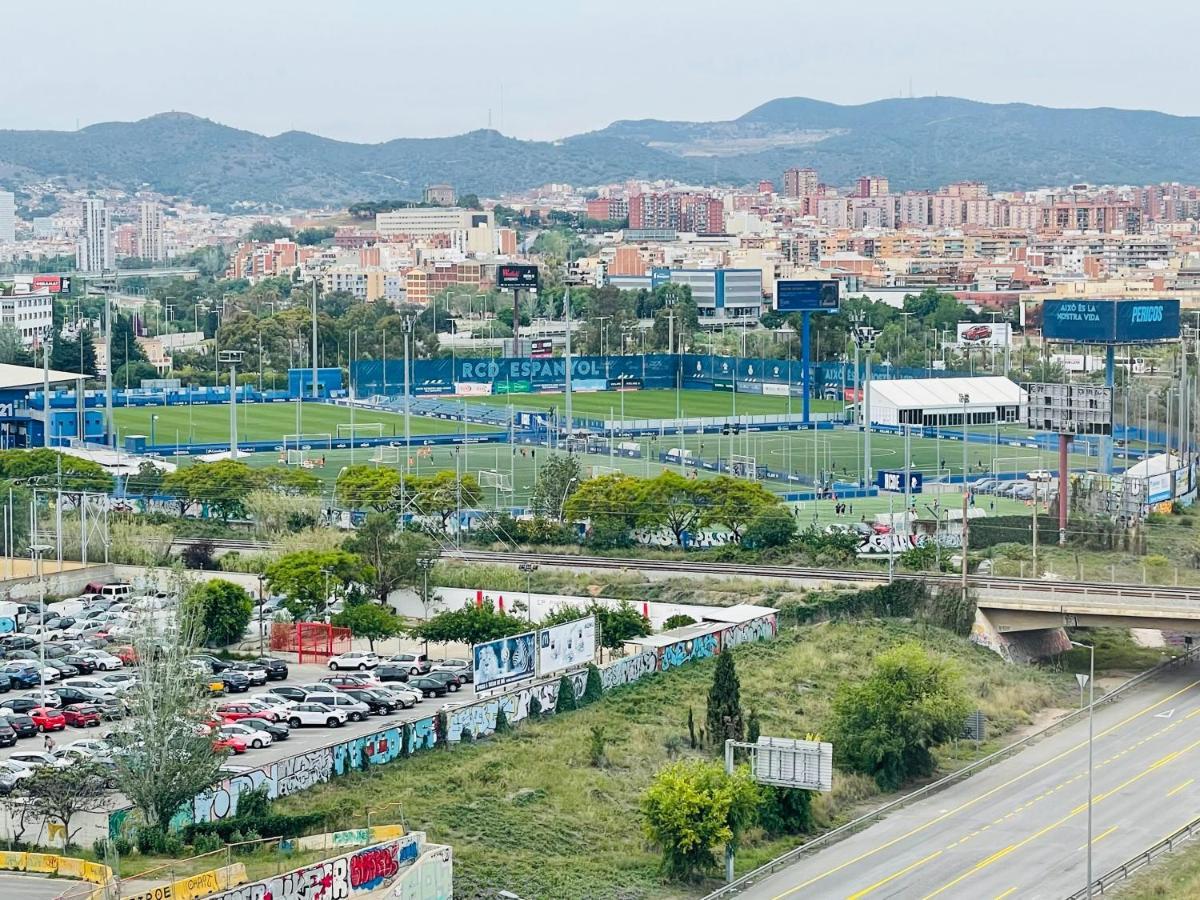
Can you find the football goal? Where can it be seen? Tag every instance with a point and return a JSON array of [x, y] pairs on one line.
[[386, 455], [359, 430], [743, 466], [307, 441], [597, 471], [498, 481]]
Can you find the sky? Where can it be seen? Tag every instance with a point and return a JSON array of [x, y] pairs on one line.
[[371, 70]]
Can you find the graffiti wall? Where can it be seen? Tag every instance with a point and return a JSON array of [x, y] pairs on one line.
[[760, 629], [369, 869], [299, 773], [699, 647], [480, 718]]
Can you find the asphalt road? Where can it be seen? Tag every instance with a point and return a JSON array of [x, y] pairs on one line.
[[300, 739], [30, 887], [1019, 829]]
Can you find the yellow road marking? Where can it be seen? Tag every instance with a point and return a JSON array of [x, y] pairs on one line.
[[893, 877], [1175, 790], [1097, 839], [969, 803], [1005, 894]]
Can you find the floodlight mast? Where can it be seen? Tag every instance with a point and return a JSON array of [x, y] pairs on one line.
[[232, 358]]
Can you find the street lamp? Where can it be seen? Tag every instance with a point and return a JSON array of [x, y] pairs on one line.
[[153, 423], [529, 569], [964, 399], [231, 358], [562, 504], [37, 553], [1091, 715], [261, 580]]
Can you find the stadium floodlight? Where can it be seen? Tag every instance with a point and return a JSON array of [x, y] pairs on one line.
[[231, 358]]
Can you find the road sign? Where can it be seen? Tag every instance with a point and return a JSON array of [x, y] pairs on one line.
[[796, 764], [894, 481], [1082, 679], [975, 728]]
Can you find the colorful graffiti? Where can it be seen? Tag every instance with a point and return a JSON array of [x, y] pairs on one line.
[[628, 669], [760, 629], [674, 655], [480, 718], [368, 869]]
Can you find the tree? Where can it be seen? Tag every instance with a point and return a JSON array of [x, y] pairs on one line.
[[679, 620], [619, 625], [565, 701], [198, 555], [73, 474], [443, 494], [733, 502], [301, 577], [691, 808], [559, 477], [673, 501], [267, 232], [612, 504], [146, 482], [724, 716], [370, 621], [593, 688], [59, 795], [887, 725], [368, 487], [470, 625], [773, 526], [223, 609], [786, 811], [167, 757], [292, 482], [393, 556], [223, 485]]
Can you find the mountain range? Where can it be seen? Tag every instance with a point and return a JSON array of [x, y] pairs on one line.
[[916, 142]]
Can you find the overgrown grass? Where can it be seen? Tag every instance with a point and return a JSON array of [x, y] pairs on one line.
[[527, 811], [1115, 651], [1175, 875]]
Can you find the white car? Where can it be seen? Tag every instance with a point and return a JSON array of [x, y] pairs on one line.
[[104, 661], [252, 736], [72, 755], [355, 659], [1039, 475], [95, 685], [89, 745], [315, 714], [119, 680], [355, 710], [407, 697], [37, 759], [275, 704]]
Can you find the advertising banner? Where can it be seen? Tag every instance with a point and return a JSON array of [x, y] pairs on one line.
[[1110, 321], [519, 277], [586, 385], [1158, 488], [504, 661], [775, 390], [894, 481], [629, 383], [989, 334], [519, 386], [793, 295], [473, 389], [566, 646]]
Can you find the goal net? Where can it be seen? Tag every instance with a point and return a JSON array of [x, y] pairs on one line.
[[386, 455], [500, 481], [597, 471], [364, 430], [297, 457], [743, 466], [308, 442]]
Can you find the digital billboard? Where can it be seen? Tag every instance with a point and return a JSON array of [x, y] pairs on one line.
[[894, 481], [518, 277], [980, 334], [794, 295], [504, 661], [1110, 321], [566, 646]]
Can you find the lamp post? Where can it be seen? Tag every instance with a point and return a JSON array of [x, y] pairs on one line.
[[964, 399], [261, 579], [153, 423], [1091, 716], [425, 564], [37, 553], [562, 504], [232, 358], [529, 569]]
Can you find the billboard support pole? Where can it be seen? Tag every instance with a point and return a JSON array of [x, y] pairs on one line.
[[1106, 441], [805, 362], [1064, 478]]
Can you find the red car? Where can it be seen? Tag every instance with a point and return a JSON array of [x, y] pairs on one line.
[[233, 711], [125, 654], [47, 719], [235, 744], [349, 682], [81, 715]]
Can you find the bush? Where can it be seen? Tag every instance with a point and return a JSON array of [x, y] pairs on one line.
[[775, 526], [594, 689], [240, 827], [679, 620], [199, 555], [786, 811], [565, 701]]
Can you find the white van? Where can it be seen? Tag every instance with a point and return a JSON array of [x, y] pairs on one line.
[[116, 591], [675, 454]]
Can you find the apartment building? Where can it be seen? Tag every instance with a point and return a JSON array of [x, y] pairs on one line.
[[698, 213], [423, 222], [30, 315], [150, 243], [94, 250], [8, 218], [605, 209], [800, 182]]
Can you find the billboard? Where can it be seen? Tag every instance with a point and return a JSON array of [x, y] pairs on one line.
[[894, 481], [1110, 321], [517, 277], [504, 661], [795, 295], [566, 646], [541, 348], [796, 764], [980, 334]]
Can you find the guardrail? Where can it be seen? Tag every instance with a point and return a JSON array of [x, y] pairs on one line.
[[861, 822], [1127, 868]]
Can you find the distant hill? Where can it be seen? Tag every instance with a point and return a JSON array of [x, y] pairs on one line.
[[917, 143]]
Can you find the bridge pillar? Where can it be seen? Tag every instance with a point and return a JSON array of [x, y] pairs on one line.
[[1018, 646]]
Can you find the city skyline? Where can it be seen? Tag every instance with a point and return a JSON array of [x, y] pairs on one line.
[[499, 70]]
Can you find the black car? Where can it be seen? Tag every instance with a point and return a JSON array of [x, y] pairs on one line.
[[217, 666], [65, 669], [277, 730], [8, 737], [111, 708], [429, 687], [235, 682], [23, 704], [19, 642], [85, 665], [449, 679], [277, 669], [69, 695], [21, 724], [390, 671], [379, 705], [288, 693]]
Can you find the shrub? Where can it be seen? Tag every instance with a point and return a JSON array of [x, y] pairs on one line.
[[594, 689], [679, 620], [786, 811], [199, 555], [566, 696]]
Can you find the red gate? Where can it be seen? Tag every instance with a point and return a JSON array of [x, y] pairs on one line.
[[314, 640]]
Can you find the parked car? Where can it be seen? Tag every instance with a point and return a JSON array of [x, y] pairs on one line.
[[104, 660], [235, 682], [428, 687], [405, 696], [315, 714], [93, 746], [19, 642], [68, 694], [47, 718], [354, 659], [234, 710], [252, 737], [22, 674], [231, 743], [101, 686], [379, 704], [84, 664], [447, 678], [11, 773], [355, 710], [416, 663], [8, 736], [274, 703], [38, 759], [277, 669], [81, 715], [288, 692], [348, 682], [21, 705], [256, 673], [391, 671], [461, 668], [215, 665], [1039, 475], [277, 730], [73, 755]]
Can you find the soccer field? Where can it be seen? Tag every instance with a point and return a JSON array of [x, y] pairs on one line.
[[659, 404], [209, 424]]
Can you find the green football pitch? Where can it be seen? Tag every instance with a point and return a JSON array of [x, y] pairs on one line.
[[658, 404], [209, 424]]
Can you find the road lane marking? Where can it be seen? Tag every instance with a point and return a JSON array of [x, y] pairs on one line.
[[969, 803], [1097, 839], [893, 877], [1005, 894], [1175, 790]]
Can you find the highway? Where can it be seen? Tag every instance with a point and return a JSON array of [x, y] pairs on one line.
[[1019, 828]]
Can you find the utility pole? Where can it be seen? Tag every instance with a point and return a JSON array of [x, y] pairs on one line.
[[232, 357], [315, 391], [567, 318], [408, 329], [108, 370]]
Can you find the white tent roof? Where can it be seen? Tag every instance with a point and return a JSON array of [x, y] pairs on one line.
[[943, 393], [1159, 464], [31, 377], [117, 462]]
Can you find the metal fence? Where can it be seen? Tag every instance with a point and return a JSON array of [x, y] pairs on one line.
[[1127, 868]]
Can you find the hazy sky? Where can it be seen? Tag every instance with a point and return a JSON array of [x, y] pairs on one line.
[[369, 70]]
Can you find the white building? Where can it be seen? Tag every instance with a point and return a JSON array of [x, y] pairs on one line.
[[150, 244], [8, 218], [94, 252], [943, 401], [428, 221], [31, 315]]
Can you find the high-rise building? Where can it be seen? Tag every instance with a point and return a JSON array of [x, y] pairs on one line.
[[871, 186], [8, 218], [150, 243], [94, 252], [698, 213], [800, 182]]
